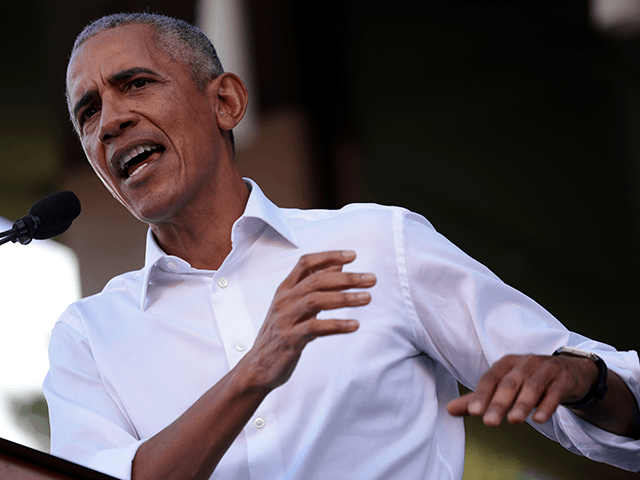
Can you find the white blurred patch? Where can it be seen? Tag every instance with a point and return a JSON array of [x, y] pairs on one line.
[[37, 282]]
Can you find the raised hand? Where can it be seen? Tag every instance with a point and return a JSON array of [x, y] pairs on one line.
[[316, 283]]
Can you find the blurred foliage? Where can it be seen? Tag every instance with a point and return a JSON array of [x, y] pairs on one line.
[[31, 414], [519, 452]]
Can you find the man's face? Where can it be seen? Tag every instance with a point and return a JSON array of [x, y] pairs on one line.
[[149, 133]]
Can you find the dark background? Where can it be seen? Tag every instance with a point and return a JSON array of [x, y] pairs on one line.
[[511, 127]]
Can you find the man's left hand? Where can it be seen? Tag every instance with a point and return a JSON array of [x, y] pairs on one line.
[[517, 384]]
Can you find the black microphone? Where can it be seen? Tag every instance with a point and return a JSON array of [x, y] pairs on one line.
[[48, 217]]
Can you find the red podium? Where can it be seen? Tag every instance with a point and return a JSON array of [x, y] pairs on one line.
[[18, 462]]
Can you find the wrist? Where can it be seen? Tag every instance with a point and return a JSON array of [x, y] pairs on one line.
[[250, 377], [599, 389]]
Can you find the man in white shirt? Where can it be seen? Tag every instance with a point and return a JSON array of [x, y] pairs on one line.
[[200, 365]]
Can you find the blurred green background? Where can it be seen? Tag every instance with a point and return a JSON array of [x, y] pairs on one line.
[[510, 125]]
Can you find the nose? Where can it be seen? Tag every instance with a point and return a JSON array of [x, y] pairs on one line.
[[115, 117]]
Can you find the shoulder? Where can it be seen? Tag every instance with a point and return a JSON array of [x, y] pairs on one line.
[[354, 216], [122, 292], [377, 233]]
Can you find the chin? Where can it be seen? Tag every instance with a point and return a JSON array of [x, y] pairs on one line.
[[155, 210]]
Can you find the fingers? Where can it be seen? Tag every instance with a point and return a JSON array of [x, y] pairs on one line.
[[336, 280], [549, 403], [321, 328], [460, 406], [495, 393], [514, 387], [314, 302], [311, 263], [316, 283], [320, 284]]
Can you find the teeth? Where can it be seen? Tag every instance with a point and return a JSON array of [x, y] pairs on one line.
[[137, 170], [134, 152]]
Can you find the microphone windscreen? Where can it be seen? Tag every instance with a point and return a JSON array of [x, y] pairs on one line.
[[56, 212]]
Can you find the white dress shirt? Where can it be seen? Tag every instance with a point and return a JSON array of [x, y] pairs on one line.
[[126, 362]]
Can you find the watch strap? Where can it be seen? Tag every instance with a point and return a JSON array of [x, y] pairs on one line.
[[599, 390]]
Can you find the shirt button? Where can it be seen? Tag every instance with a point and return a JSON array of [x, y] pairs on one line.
[[172, 265], [222, 282], [259, 422], [241, 347]]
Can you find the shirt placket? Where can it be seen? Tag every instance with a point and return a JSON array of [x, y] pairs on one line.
[[238, 335]]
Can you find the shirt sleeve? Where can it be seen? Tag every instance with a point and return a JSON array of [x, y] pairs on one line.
[[88, 426], [467, 319]]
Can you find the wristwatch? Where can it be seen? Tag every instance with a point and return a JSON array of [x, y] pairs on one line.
[[599, 390]]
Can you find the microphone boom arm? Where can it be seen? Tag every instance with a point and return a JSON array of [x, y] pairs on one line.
[[22, 231]]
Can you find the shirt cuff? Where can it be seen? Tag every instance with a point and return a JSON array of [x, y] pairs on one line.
[[582, 437], [116, 462]]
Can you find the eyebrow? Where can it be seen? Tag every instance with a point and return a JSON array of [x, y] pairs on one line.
[[118, 77], [129, 73]]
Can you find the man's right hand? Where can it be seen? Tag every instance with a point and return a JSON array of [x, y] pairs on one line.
[[316, 283], [192, 446]]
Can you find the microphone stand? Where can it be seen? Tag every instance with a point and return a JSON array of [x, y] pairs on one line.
[[22, 230], [9, 234]]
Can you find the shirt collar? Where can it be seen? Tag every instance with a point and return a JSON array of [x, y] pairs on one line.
[[258, 212], [261, 210]]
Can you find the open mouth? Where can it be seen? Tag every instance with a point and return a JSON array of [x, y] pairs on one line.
[[132, 162]]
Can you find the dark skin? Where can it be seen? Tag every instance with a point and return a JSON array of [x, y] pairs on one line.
[[187, 448], [126, 92], [515, 386]]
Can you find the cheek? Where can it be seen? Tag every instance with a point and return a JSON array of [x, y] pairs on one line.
[[190, 117], [102, 176], [108, 183], [97, 162]]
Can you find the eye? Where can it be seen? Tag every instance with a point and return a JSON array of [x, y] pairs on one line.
[[87, 114], [139, 82]]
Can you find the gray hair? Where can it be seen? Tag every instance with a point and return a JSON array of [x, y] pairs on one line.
[[182, 41]]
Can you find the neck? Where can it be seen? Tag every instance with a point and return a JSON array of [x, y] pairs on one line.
[[202, 235]]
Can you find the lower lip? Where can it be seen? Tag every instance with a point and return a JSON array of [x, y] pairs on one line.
[[138, 170], [142, 169]]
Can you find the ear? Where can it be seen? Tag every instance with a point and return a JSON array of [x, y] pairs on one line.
[[231, 99]]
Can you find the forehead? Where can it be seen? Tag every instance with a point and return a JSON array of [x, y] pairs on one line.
[[111, 51]]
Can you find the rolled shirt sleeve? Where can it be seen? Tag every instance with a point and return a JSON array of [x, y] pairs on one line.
[[467, 319], [581, 437], [89, 425]]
